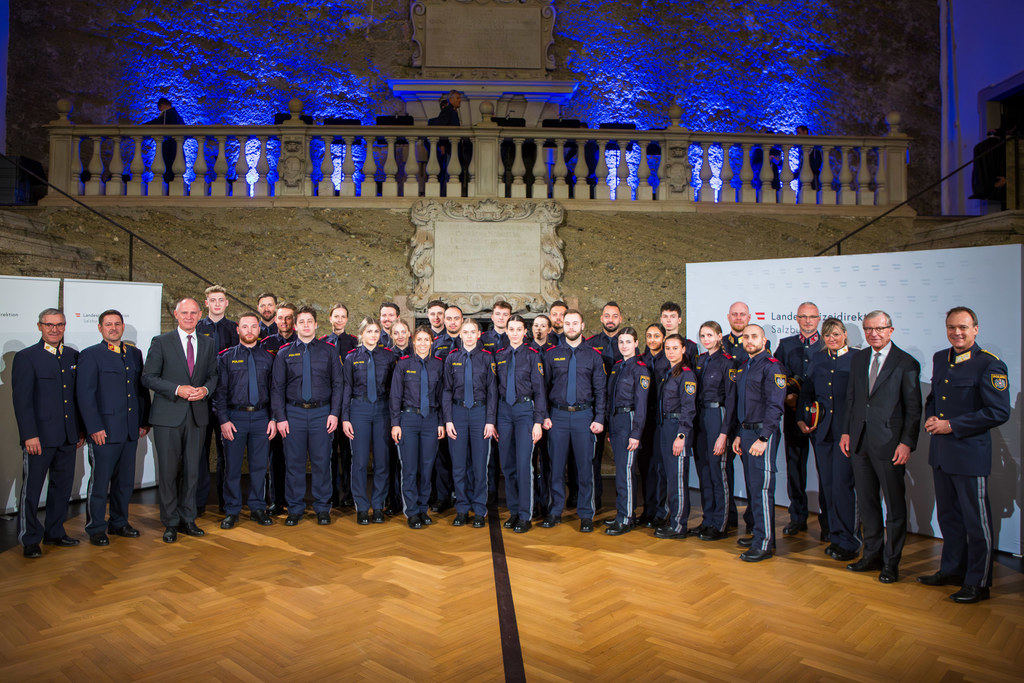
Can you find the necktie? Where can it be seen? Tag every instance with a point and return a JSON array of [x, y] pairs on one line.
[[467, 382], [307, 376], [510, 381], [254, 395], [570, 385], [190, 356], [741, 397], [371, 380], [424, 396], [873, 374]]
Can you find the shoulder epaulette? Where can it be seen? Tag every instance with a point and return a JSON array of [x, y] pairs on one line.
[[618, 361], [595, 350], [533, 349], [640, 362], [221, 353], [325, 336], [128, 343], [487, 352], [327, 342], [351, 351], [991, 354], [404, 357], [727, 355], [773, 359]]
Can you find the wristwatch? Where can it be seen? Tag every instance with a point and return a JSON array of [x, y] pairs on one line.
[[762, 439], [680, 436]]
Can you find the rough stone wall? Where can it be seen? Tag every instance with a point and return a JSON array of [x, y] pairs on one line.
[[359, 257], [839, 65]]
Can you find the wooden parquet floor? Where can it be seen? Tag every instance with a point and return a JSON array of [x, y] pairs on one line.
[[385, 603]]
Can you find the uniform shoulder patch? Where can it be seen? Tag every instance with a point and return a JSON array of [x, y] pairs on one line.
[[780, 381], [991, 354], [732, 374], [1000, 382], [690, 387], [645, 382], [540, 367], [494, 368]]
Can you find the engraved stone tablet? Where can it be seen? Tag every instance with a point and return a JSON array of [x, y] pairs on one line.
[[486, 257]]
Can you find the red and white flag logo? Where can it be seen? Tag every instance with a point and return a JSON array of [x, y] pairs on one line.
[[759, 315]]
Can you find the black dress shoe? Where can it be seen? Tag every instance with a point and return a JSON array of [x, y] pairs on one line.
[[830, 548], [551, 521], [522, 526], [323, 518], [229, 522], [64, 541], [755, 555], [712, 534], [99, 539], [479, 522], [940, 578], [32, 551], [347, 502], [190, 529], [890, 574], [616, 529], [461, 519], [390, 511], [667, 532], [745, 542], [645, 520], [842, 555], [378, 517], [274, 509], [509, 523], [435, 508], [293, 519], [261, 517], [170, 534], [970, 594], [363, 518], [825, 533], [586, 526], [425, 519], [415, 522], [126, 531], [793, 528], [865, 564]]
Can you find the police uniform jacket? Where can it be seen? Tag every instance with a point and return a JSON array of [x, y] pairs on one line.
[[679, 402], [796, 352], [110, 394], [233, 385], [712, 371], [764, 379], [224, 332], [541, 348], [405, 386], [344, 342], [326, 382], [529, 378], [972, 391], [733, 345], [629, 386], [607, 346], [43, 387], [590, 378], [485, 385], [274, 342], [492, 340], [356, 381], [827, 379], [444, 345], [267, 330]]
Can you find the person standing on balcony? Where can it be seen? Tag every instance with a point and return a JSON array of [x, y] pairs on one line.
[[168, 116]]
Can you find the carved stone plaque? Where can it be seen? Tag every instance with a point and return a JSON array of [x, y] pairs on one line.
[[472, 254]]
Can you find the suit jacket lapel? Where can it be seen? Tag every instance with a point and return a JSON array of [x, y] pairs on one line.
[[891, 360], [179, 351]]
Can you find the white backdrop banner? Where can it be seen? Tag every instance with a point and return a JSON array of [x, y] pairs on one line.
[[139, 303], [916, 288], [21, 300]]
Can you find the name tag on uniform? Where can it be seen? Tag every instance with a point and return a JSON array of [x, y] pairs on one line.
[[454, 363], [562, 358], [501, 361], [237, 361], [410, 372], [358, 362], [962, 357]]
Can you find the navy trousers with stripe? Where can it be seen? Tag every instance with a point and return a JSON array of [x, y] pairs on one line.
[[626, 478], [677, 478], [965, 519], [711, 469], [759, 473]]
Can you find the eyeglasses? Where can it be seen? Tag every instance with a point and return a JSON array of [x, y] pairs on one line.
[[808, 317], [877, 330], [54, 326]]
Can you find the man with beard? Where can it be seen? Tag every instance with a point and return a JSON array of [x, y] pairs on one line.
[[341, 451], [444, 344], [285, 321], [605, 342], [266, 306], [435, 314], [556, 313], [389, 313]]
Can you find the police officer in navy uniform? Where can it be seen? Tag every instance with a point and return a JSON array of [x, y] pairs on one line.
[[341, 450], [628, 386], [387, 315], [649, 462], [711, 437], [285, 322], [242, 404], [445, 343], [305, 400], [540, 330], [540, 334], [677, 405], [795, 354], [415, 406], [365, 418], [672, 319], [497, 337], [43, 387], [266, 306], [556, 314], [756, 399], [824, 390], [115, 410], [522, 407], [606, 343], [576, 409], [970, 396], [435, 316], [469, 403]]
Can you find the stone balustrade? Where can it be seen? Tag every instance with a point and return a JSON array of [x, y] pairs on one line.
[[294, 164]]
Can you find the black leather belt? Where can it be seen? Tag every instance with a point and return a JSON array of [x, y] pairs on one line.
[[711, 404], [311, 404], [416, 411], [575, 408], [248, 409], [622, 409], [752, 426], [523, 399], [670, 416], [476, 404]]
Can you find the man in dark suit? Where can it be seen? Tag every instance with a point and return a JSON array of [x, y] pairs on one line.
[[115, 410], [883, 416], [181, 369], [43, 387]]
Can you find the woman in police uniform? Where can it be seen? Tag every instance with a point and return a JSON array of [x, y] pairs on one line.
[[712, 371], [400, 342], [674, 436], [364, 414], [415, 403], [628, 385], [820, 411]]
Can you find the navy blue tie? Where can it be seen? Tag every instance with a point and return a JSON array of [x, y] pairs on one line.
[[254, 394], [307, 375], [510, 381], [741, 402], [371, 380], [467, 382], [424, 395], [570, 386]]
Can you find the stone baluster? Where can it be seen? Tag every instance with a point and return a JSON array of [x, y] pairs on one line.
[[348, 168], [368, 186], [559, 185], [539, 190], [727, 195], [857, 182], [623, 192], [65, 163], [158, 167], [177, 186], [326, 186], [261, 188], [807, 194], [896, 160], [453, 185], [433, 187], [95, 184], [137, 168], [766, 195], [518, 170], [115, 186], [847, 195], [644, 175], [828, 195], [199, 185], [881, 174], [602, 190], [786, 175], [240, 186], [219, 186], [706, 192], [748, 194], [390, 188]]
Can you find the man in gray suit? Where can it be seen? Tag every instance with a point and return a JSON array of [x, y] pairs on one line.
[[181, 369], [883, 417]]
